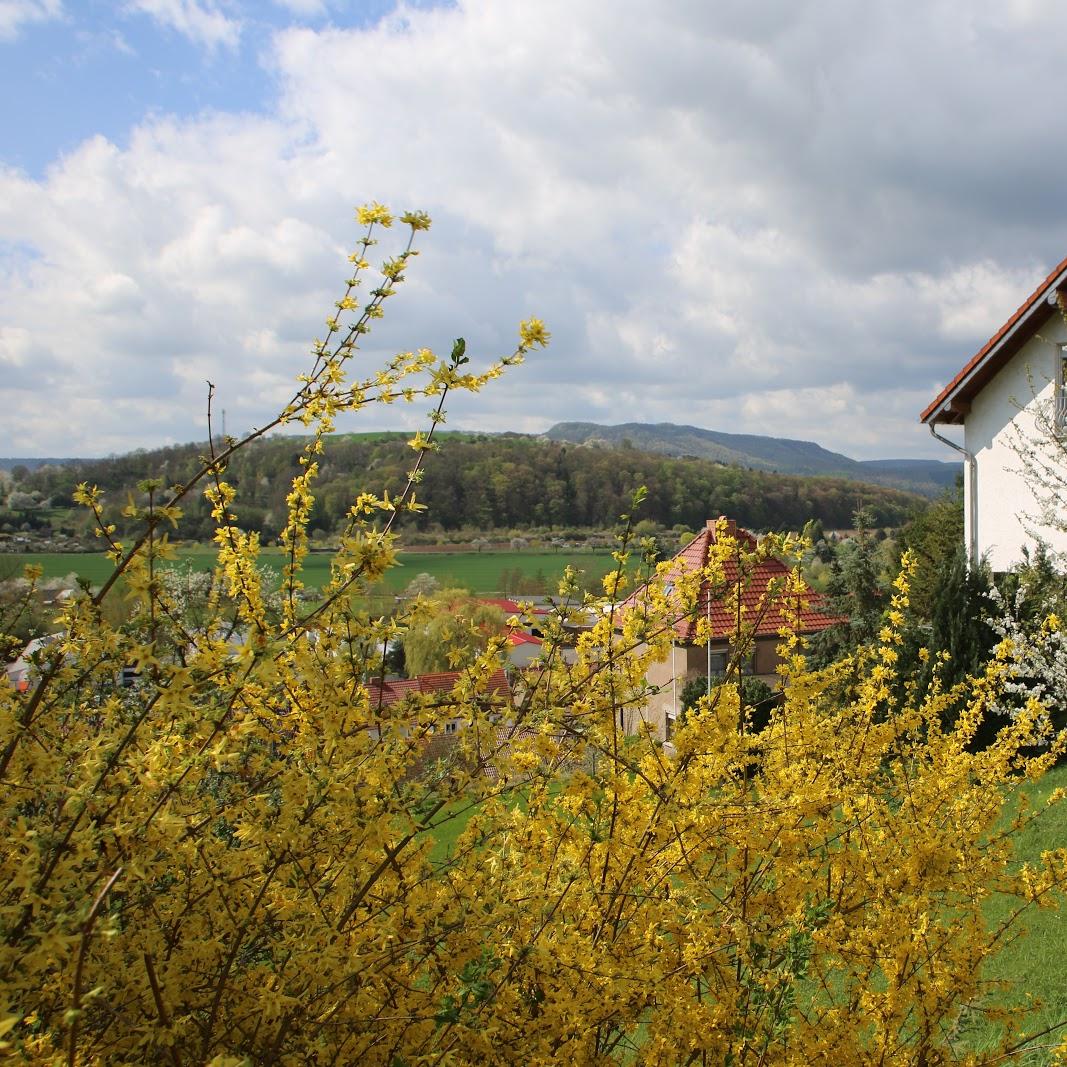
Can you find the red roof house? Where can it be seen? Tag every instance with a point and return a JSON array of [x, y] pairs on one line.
[[762, 601], [759, 589], [438, 740], [511, 607], [523, 648]]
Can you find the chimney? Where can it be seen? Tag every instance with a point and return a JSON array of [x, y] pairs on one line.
[[729, 526]]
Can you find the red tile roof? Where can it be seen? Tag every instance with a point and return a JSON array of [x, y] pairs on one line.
[[506, 735], [985, 363], [510, 607], [517, 637], [385, 693], [768, 614]]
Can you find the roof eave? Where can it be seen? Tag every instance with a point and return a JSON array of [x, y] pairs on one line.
[[954, 402]]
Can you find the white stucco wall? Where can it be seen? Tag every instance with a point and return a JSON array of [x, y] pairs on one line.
[[1001, 420]]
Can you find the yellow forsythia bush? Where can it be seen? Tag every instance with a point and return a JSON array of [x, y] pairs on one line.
[[238, 858]]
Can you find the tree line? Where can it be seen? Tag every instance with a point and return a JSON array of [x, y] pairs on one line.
[[488, 482]]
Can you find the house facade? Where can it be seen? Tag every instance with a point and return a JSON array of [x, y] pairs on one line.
[[1011, 402], [750, 601]]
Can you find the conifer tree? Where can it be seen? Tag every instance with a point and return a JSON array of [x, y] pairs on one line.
[[854, 594], [933, 538]]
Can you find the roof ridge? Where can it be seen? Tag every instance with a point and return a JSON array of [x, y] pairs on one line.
[[1024, 309]]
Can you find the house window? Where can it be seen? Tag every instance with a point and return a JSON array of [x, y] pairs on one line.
[[669, 727], [450, 727], [717, 663], [1060, 418]]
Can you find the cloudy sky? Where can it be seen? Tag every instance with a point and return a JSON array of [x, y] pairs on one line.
[[793, 217]]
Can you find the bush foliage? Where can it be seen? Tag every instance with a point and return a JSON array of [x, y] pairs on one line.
[[232, 859]]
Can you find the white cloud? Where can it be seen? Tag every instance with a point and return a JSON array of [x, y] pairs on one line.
[[978, 297], [14, 346], [740, 217], [15, 14], [200, 20]]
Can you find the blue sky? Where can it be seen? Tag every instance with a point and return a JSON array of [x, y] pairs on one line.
[[798, 217], [102, 67]]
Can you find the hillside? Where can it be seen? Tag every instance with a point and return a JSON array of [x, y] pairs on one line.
[[781, 454], [500, 482]]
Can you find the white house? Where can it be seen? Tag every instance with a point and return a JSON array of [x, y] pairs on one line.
[[1011, 400]]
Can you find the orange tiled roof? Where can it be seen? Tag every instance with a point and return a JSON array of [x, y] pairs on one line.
[[513, 607], [385, 693], [506, 605], [769, 616], [520, 637], [997, 350]]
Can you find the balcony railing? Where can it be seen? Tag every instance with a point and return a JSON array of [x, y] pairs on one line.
[[1060, 412]]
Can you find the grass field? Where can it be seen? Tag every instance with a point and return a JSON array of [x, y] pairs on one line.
[[1034, 964], [480, 572]]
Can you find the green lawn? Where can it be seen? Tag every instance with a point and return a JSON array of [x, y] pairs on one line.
[[1035, 964], [448, 825], [479, 572]]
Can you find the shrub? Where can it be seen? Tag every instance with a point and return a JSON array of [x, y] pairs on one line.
[[246, 855]]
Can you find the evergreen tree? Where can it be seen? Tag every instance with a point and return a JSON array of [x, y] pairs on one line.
[[933, 537], [956, 632], [958, 623], [855, 594], [755, 694], [1035, 587]]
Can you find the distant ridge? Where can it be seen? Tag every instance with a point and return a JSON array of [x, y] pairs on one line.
[[32, 463], [753, 451], [485, 481], [781, 454]]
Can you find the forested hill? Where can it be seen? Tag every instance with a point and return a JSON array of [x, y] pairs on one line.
[[490, 483], [782, 454]]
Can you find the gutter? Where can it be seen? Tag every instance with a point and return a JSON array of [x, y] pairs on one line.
[[972, 494]]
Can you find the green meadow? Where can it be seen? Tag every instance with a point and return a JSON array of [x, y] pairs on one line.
[[1033, 963], [480, 572]]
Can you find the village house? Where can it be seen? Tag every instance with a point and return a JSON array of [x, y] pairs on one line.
[[761, 609], [524, 649], [1011, 400], [525, 643]]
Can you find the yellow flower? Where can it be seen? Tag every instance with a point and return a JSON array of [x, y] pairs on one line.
[[372, 213], [532, 332]]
